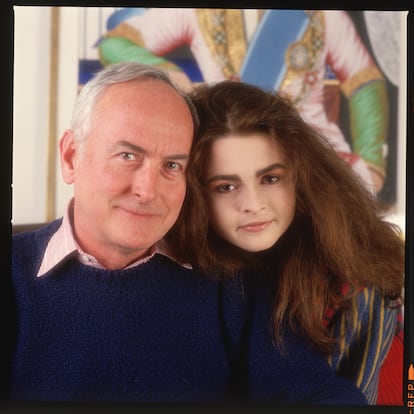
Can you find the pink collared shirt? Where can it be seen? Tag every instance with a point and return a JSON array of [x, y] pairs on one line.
[[63, 244]]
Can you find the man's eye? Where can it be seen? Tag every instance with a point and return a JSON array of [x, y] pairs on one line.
[[270, 179], [128, 156], [225, 188], [172, 165]]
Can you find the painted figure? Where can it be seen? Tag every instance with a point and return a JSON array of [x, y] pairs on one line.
[[291, 51]]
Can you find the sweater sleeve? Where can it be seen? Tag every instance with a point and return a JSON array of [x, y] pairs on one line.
[[287, 373]]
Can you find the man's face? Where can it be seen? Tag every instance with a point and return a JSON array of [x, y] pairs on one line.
[[129, 178]]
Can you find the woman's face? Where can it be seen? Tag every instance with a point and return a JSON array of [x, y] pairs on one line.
[[251, 192]]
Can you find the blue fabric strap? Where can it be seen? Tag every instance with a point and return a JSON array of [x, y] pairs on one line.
[[264, 64]]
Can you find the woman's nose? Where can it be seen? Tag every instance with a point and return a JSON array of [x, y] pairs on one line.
[[251, 200]]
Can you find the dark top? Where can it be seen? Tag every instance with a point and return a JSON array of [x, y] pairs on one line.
[[154, 333]]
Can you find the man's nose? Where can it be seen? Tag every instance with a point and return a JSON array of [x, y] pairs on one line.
[[146, 181]]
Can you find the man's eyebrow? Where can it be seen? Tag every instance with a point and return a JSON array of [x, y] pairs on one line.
[[129, 145], [275, 166], [177, 157], [137, 148]]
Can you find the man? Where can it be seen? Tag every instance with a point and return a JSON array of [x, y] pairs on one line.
[[103, 312], [128, 174]]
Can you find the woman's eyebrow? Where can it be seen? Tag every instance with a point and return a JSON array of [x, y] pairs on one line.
[[230, 177], [275, 166], [223, 177]]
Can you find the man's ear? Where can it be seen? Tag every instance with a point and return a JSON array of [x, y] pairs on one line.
[[68, 156]]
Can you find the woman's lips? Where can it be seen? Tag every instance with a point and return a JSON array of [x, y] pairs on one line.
[[255, 226]]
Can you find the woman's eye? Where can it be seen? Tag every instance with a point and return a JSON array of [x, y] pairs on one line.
[[270, 179], [225, 188]]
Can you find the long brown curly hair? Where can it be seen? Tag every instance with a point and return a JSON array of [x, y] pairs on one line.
[[338, 234]]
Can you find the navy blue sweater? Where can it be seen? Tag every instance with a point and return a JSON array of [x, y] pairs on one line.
[[154, 333]]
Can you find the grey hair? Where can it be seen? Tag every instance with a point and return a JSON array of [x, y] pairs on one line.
[[116, 73]]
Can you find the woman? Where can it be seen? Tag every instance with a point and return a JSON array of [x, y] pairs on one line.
[[269, 196]]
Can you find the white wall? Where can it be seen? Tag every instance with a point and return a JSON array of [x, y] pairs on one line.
[[67, 89], [31, 106], [31, 93]]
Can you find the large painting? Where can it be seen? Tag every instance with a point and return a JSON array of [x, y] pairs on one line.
[[340, 68]]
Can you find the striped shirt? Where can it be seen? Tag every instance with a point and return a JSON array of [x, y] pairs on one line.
[[365, 333]]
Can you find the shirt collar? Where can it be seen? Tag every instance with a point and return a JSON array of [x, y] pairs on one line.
[[63, 245]]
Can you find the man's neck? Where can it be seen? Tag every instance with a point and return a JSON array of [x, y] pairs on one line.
[[117, 261], [110, 256]]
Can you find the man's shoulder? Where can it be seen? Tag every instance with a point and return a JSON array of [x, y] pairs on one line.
[[34, 241], [46, 228]]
